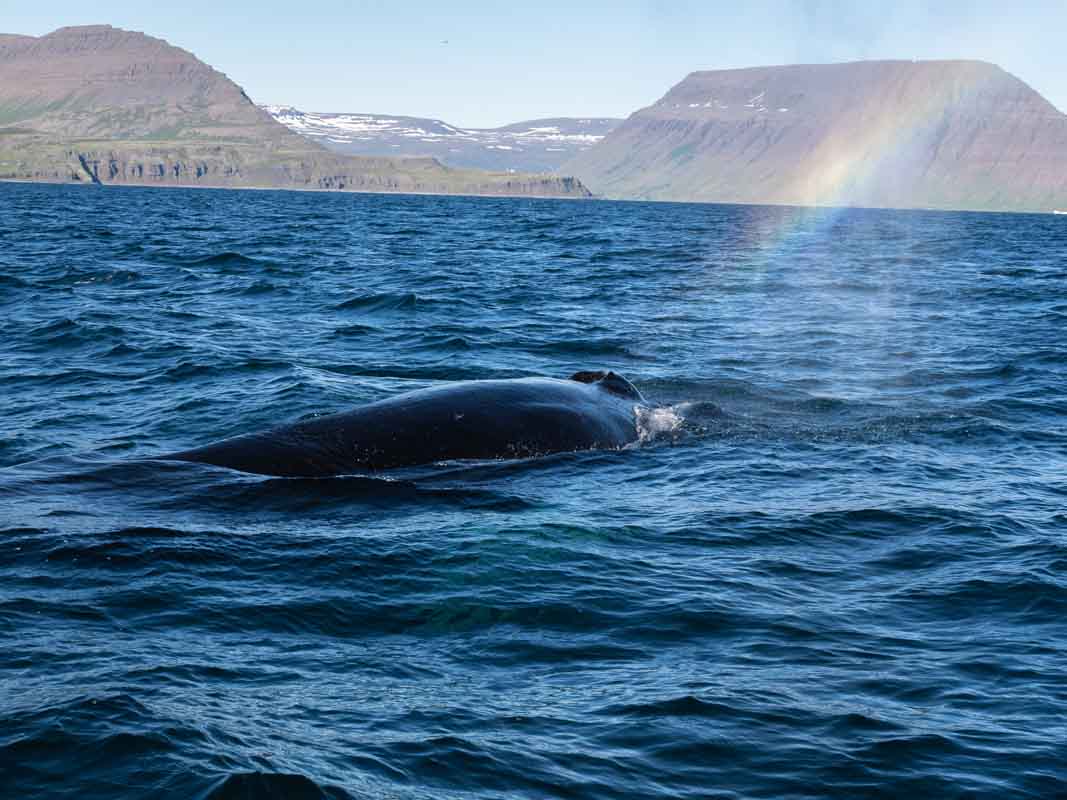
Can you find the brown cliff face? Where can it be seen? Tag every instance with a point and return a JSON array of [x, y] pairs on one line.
[[98, 104], [939, 134]]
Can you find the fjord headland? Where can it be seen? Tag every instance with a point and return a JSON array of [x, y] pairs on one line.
[[97, 104], [962, 135]]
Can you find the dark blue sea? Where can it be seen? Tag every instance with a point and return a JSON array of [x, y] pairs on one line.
[[834, 566]]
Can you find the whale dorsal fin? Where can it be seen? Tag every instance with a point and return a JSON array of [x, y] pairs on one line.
[[616, 384]]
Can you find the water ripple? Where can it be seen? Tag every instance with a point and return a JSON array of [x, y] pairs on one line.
[[832, 566]]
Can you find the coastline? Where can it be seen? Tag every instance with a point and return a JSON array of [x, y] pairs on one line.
[[209, 187], [521, 196]]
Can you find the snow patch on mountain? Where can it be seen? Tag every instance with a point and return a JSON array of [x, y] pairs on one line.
[[538, 145]]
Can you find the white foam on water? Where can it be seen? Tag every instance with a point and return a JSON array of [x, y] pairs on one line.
[[653, 423]]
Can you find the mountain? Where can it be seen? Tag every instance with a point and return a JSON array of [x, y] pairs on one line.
[[539, 145], [97, 104], [928, 134]]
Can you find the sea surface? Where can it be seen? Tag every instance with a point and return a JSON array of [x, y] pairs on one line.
[[834, 566]]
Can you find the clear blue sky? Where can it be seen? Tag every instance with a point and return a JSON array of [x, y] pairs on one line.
[[504, 62]]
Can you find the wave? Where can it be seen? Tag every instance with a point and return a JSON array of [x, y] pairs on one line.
[[740, 409], [298, 495], [600, 347], [834, 560], [229, 258], [1024, 596], [187, 369], [272, 786], [388, 301], [261, 287], [355, 331], [69, 332]]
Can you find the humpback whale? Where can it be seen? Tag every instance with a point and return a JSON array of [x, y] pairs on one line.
[[489, 419]]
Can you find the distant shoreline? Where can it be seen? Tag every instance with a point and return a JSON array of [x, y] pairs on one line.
[[91, 185], [599, 198]]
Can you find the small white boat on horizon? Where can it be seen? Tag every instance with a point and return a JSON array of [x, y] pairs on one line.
[[1059, 212]]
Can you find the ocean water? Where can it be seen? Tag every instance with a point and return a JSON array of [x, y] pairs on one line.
[[835, 565]]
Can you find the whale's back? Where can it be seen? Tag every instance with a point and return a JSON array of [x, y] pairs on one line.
[[474, 420]]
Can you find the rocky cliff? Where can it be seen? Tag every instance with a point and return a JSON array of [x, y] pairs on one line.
[[933, 134], [98, 104]]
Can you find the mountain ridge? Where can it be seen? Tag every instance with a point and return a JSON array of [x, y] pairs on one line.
[[98, 104], [539, 145], [951, 134]]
